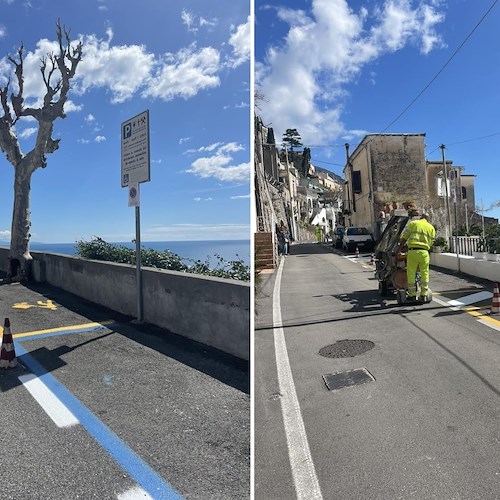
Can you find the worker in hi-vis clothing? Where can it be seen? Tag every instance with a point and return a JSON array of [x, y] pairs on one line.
[[419, 236]]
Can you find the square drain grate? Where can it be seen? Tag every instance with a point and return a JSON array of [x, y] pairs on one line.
[[340, 380]]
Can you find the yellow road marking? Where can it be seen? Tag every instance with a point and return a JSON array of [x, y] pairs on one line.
[[44, 305], [473, 311], [59, 329]]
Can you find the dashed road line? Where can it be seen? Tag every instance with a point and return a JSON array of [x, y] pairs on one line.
[[471, 299], [50, 403]]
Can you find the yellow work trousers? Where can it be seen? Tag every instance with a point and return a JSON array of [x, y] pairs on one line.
[[417, 260]]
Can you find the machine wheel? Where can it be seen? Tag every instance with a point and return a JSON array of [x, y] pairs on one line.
[[383, 288], [401, 296]]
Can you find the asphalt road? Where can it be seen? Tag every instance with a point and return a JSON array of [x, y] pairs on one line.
[[155, 414], [426, 427]]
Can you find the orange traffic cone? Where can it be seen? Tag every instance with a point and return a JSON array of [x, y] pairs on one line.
[[8, 353], [357, 252], [495, 305]]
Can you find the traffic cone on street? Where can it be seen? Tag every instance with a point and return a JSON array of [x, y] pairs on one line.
[[495, 305], [357, 252], [8, 353]]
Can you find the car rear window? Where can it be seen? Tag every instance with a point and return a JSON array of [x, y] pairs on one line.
[[357, 230]]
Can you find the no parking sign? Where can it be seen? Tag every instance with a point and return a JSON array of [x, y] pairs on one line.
[[133, 195]]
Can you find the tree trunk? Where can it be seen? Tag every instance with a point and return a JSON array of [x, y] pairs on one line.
[[20, 257]]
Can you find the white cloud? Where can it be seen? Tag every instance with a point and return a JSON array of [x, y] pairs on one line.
[[241, 43], [219, 165], [3, 31], [185, 73], [326, 49], [70, 106], [124, 70], [89, 118], [202, 149], [83, 141], [189, 20], [182, 140], [5, 235], [203, 199], [205, 22], [28, 132], [100, 138], [242, 197], [241, 105]]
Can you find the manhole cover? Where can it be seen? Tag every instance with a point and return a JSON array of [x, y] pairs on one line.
[[340, 380], [346, 348]]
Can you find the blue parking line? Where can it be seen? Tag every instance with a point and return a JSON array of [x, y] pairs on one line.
[[136, 468]]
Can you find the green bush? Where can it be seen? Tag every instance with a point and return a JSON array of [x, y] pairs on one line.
[[99, 249]]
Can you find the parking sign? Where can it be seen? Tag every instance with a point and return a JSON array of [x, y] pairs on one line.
[[135, 150]]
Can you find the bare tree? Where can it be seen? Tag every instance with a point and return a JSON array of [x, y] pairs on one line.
[[57, 71]]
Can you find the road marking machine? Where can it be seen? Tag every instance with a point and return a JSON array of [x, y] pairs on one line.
[[390, 265]]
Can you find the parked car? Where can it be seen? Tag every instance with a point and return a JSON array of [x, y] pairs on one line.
[[357, 237], [338, 235]]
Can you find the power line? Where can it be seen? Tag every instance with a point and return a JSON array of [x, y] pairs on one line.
[[329, 163], [467, 140], [442, 69]]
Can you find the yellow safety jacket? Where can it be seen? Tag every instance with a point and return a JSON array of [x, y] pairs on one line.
[[419, 234]]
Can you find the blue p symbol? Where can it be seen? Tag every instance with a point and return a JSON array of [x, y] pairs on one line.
[[127, 130]]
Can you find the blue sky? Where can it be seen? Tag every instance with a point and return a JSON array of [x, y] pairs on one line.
[[337, 70], [188, 64]]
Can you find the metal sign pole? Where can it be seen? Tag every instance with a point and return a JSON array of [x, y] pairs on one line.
[[135, 168], [138, 273]]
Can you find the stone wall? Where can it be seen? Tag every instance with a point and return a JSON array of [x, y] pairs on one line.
[[213, 311]]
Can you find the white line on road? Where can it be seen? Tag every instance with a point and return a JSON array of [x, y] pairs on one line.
[[134, 494], [303, 471], [467, 300], [61, 416]]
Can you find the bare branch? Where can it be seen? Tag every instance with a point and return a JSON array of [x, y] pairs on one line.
[[3, 99], [74, 56]]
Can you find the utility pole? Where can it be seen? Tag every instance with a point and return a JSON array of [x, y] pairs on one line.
[[453, 176], [445, 170]]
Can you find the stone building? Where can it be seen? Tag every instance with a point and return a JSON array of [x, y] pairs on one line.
[[388, 171], [384, 172]]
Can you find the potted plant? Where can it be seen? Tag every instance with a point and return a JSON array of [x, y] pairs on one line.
[[440, 245]]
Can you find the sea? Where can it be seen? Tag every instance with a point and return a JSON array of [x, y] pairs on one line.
[[196, 250]]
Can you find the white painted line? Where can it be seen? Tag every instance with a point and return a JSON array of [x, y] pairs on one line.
[[467, 300], [135, 493], [303, 471], [487, 323], [61, 416], [444, 303]]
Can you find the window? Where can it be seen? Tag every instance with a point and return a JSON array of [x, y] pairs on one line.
[[356, 181], [357, 231]]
